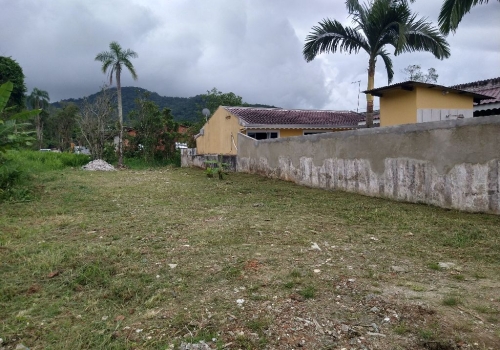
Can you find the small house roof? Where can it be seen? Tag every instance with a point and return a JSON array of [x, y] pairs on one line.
[[489, 87], [411, 85], [253, 118]]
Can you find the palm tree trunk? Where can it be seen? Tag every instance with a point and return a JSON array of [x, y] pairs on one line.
[[38, 126], [120, 119], [369, 97]]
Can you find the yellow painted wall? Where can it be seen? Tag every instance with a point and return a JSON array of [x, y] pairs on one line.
[[398, 107], [433, 98], [217, 134], [216, 138]]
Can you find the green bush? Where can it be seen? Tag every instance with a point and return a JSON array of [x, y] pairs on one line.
[[12, 181], [36, 161], [109, 154], [17, 168]]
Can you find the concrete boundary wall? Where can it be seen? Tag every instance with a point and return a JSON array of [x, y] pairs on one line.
[[451, 164], [189, 158]]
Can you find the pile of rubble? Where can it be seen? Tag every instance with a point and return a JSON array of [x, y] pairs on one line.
[[98, 165]]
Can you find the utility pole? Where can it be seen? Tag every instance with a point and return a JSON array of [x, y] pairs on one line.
[[359, 90]]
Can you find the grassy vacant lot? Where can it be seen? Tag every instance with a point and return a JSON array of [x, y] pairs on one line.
[[159, 259]]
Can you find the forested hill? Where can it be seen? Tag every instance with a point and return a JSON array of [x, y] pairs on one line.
[[183, 108]]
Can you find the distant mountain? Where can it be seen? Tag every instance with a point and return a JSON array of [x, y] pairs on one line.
[[184, 109]]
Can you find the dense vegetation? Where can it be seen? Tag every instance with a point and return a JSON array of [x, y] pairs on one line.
[[184, 109]]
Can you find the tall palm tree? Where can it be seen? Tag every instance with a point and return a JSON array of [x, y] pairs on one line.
[[38, 99], [452, 12], [377, 23], [114, 60]]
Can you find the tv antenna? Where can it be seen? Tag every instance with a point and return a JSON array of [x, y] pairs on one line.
[[359, 90]]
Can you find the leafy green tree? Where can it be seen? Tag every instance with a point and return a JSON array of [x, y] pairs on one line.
[[156, 130], [39, 99], [377, 24], [212, 100], [215, 98], [61, 127], [414, 72], [13, 133], [452, 12], [11, 71], [115, 60]]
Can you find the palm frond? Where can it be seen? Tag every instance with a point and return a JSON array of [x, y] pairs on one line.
[[421, 36], [5, 91], [386, 57], [131, 68], [452, 12], [332, 36]]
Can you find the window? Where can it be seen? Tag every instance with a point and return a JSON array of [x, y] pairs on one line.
[[263, 135], [315, 132]]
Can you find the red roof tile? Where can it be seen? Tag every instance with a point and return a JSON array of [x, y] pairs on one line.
[[252, 116], [489, 87]]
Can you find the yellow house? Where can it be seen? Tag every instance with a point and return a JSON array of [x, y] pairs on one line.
[[414, 102], [219, 134]]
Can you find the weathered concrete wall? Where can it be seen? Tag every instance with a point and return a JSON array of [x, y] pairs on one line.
[[451, 164], [189, 158]]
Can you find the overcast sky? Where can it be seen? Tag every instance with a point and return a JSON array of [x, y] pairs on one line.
[[250, 47]]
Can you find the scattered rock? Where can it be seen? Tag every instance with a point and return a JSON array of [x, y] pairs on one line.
[[315, 246], [98, 165], [53, 274], [398, 269], [172, 266], [446, 265], [198, 346], [21, 347], [373, 334], [297, 297]]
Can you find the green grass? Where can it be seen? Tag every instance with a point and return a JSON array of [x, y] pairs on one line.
[[451, 300], [146, 258]]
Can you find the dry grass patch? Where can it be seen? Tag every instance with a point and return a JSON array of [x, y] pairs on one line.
[[150, 259]]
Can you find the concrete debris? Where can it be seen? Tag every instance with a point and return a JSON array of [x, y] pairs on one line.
[[446, 265], [398, 269], [315, 246], [376, 334], [98, 165], [21, 347], [199, 346]]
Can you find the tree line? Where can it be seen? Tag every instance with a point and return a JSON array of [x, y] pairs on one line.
[[377, 24], [151, 130]]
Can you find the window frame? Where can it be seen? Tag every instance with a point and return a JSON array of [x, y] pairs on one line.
[[263, 131]]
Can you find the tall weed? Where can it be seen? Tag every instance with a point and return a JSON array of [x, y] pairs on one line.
[[17, 168]]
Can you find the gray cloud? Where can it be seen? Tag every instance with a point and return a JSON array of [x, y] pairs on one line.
[[250, 47]]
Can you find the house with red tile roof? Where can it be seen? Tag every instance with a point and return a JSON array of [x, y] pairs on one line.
[[219, 134], [489, 87]]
